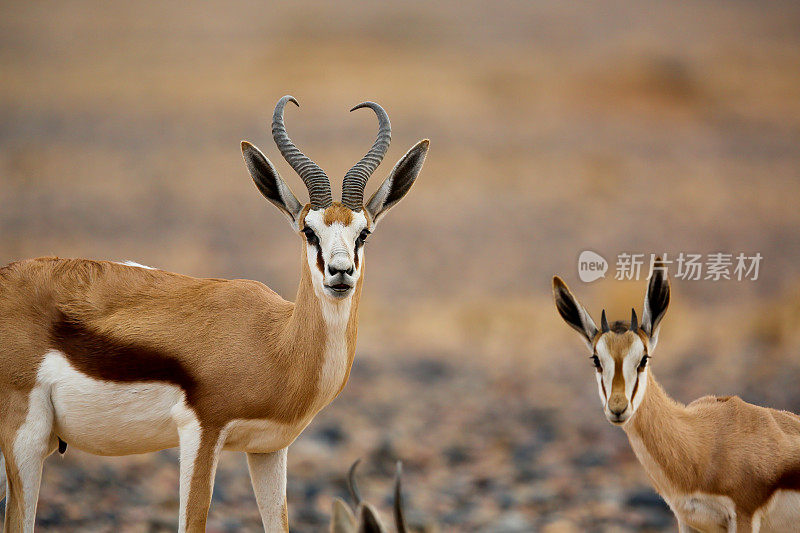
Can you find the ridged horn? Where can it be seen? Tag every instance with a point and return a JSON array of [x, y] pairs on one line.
[[356, 178], [604, 322], [317, 182], [634, 320]]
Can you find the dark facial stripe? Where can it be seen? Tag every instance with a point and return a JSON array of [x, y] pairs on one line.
[[320, 262], [104, 358], [635, 386]]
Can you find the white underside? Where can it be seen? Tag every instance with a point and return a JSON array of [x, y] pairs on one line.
[[781, 514], [711, 513], [106, 418]]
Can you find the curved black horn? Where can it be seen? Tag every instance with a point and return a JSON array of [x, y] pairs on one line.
[[351, 483], [318, 184], [356, 178], [399, 515], [604, 322], [634, 320]]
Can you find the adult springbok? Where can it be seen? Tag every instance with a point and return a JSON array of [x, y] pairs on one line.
[[119, 359], [721, 464]]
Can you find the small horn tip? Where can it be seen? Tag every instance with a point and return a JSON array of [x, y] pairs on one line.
[[362, 105], [290, 98], [245, 145]]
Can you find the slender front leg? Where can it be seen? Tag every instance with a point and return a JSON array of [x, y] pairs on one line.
[[199, 452], [268, 475]]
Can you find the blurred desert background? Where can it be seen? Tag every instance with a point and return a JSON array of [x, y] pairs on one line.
[[555, 127]]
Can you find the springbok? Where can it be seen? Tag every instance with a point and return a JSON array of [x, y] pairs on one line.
[[117, 359], [721, 464], [365, 519]]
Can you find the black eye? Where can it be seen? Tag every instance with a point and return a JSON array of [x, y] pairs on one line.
[[311, 237], [596, 361], [362, 238], [643, 363]]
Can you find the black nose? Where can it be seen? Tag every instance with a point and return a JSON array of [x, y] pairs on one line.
[[334, 271]]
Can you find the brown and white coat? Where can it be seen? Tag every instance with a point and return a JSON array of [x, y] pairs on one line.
[[119, 359]]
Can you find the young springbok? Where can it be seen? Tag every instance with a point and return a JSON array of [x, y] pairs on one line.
[[118, 359], [721, 464]]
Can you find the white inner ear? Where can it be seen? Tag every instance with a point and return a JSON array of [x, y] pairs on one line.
[[289, 201], [376, 203]]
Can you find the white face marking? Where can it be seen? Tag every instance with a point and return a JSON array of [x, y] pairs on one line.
[[631, 360], [337, 244]]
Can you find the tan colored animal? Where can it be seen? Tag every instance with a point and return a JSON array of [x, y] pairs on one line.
[[119, 359], [721, 464], [365, 519]]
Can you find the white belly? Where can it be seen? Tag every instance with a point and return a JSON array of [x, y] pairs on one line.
[[108, 418], [780, 515]]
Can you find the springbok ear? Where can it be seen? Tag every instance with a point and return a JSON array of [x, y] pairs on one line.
[[342, 519], [656, 301], [573, 312], [368, 521], [399, 181], [270, 183]]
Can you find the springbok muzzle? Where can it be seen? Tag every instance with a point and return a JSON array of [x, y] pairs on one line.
[[617, 404]]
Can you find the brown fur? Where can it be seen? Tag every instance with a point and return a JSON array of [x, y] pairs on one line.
[[337, 213], [697, 445], [152, 325]]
